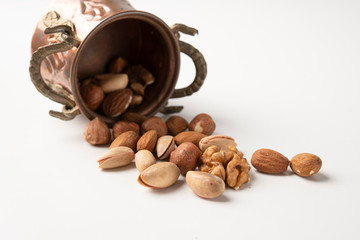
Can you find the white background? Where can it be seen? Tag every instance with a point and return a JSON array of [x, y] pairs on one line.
[[282, 74]]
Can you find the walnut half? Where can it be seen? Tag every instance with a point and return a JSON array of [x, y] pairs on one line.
[[215, 168], [215, 161], [237, 170]]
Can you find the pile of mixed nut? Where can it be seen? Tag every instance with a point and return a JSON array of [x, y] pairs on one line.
[[207, 161], [114, 92]]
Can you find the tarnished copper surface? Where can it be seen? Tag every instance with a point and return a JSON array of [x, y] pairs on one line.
[[85, 15], [103, 30], [106, 29]]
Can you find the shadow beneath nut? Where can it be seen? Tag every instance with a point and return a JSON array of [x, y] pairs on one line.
[[248, 184], [319, 177], [287, 173], [221, 198], [170, 189], [120, 169]]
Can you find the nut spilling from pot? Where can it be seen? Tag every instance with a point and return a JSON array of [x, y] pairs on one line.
[[208, 162], [121, 88], [164, 150]]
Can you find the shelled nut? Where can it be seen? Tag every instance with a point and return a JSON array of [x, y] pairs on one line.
[[97, 132], [111, 82]]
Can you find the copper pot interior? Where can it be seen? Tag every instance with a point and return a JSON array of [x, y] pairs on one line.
[[139, 42]]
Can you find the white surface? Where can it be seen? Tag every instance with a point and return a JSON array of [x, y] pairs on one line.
[[282, 74]]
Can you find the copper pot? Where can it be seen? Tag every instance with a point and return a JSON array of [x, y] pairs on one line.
[[77, 38]]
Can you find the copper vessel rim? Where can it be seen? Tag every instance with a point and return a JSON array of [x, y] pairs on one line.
[[165, 31]]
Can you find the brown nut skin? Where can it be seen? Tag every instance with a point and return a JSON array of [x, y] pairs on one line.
[[147, 141], [117, 65], [97, 132], [202, 123], [305, 164], [133, 117], [127, 139], [176, 125], [124, 126], [185, 157], [92, 95], [190, 136], [269, 161], [154, 123], [117, 102]]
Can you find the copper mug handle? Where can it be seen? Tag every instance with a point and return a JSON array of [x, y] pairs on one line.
[[55, 92], [68, 40], [200, 67]]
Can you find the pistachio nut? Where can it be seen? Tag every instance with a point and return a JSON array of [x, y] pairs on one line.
[[116, 157], [223, 142], [205, 185], [159, 175], [165, 145], [144, 159]]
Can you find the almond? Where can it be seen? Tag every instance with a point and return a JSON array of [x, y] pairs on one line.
[[127, 139], [147, 141], [123, 126], [117, 102], [92, 95], [269, 161], [191, 136], [305, 164]]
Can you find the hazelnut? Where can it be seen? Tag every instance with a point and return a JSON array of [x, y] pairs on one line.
[[97, 132], [92, 95], [176, 125], [305, 164], [154, 123], [124, 126], [185, 157], [202, 123], [117, 65]]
